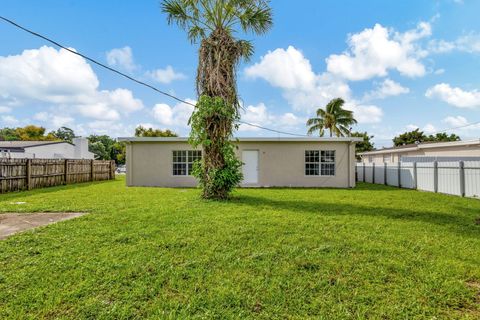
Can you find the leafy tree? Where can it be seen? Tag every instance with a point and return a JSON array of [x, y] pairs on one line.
[[141, 131], [33, 133], [104, 153], [409, 137], [64, 133], [8, 134], [443, 137], [417, 136], [334, 118], [214, 24], [119, 152], [98, 148], [366, 144]]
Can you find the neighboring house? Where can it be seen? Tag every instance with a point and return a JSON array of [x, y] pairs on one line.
[[268, 162], [46, 149], [446, 151]]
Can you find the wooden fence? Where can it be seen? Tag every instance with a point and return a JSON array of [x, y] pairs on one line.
[[27, 174]]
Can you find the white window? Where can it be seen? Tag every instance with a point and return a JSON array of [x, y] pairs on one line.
[[183, 161], [387, 158], [320, 163]]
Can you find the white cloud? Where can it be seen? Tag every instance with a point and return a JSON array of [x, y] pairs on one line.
[[466, 130], [166, 75], [412, 127], [290, 71], [304, 90], [5, 109], [457, 121], [373, 52], [9, 120], [429, 128], [286, 69], [366, 113], [176, 116], [469, 43], [387, 88], [439, 71], [45, 75], [454, 96], [260, 116], [121, 57]]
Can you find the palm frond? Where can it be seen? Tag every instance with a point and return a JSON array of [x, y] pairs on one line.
[[316, 128], [245, 48], [314, 121]]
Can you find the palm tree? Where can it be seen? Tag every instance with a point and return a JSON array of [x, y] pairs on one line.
[[215, 24], [334, 118]]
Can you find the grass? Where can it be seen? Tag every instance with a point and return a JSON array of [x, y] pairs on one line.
[[373, 252]]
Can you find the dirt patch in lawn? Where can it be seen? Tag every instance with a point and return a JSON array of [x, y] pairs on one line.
[[11, 223]]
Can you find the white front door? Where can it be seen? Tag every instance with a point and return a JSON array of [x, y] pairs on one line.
[[250, 166]]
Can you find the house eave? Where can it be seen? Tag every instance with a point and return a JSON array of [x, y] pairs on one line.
[[247, 139]]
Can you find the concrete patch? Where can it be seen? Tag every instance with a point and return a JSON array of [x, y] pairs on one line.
[[11, 223]]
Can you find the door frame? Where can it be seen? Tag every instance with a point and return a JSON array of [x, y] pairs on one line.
[[251, 184]]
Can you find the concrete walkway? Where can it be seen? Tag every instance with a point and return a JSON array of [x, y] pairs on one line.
[[11, 223]]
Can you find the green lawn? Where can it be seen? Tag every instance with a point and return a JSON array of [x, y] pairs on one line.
[[372, 252]]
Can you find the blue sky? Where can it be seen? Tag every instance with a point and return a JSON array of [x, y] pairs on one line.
[[398, 64]]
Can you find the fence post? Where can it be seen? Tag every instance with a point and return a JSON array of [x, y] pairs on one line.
[[435, 176], [65, 171], [385, 173], [461, 166], [415, 183], [91, 169], [373, 172], [399, 173], [364, 180], [112, 169], [28, 173]]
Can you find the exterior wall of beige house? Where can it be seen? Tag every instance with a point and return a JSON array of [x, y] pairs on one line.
[[268, 162], [470, 148]]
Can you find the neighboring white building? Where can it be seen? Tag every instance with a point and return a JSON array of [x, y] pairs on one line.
[[46, 149], [448, 151]]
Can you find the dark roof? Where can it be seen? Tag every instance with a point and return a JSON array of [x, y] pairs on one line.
[[26, 144]]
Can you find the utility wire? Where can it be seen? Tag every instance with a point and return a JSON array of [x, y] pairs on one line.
[[161, 91], [131, 78], [460, 127]]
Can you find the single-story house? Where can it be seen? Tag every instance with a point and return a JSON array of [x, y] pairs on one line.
[[267, 162], [78, 149], [453, 150]]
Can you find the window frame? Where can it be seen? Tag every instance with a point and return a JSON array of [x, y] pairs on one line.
[[322, 155], [189, 156]]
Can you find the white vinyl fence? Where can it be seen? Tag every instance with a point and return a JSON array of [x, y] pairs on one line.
[[461, 178]]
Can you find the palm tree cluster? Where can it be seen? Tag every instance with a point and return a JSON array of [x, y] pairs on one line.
[[334, 118]]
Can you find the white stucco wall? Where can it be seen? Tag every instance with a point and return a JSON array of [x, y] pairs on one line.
[[281, 164]]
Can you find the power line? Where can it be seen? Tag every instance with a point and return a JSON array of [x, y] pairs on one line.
[[129, 77], [460, 127], [442, 131], [161, 91]]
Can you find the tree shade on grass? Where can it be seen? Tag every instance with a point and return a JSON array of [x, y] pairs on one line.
[[370, 252]]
